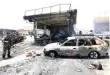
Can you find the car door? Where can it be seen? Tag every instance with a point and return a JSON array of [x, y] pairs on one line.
[[69, 48], [84, 47]]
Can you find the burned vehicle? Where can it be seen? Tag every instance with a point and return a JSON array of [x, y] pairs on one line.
[[16, 38], [57, 24], [90, 46]]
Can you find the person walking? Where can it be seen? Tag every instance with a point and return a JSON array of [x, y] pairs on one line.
[[7, 43]]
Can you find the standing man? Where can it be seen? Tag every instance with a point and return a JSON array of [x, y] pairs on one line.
[[7, 43]]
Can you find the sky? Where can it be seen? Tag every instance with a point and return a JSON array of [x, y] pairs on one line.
[[12, 11]]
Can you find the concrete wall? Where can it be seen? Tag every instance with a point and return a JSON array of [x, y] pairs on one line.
[[101, 24]]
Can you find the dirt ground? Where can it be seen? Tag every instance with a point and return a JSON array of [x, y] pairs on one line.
[[42, 65]]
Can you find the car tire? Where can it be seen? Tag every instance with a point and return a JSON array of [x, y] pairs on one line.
[[53, 54], [94, 55]]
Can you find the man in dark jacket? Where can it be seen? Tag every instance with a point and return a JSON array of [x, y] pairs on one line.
[[7, 46]]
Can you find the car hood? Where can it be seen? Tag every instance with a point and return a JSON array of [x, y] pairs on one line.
[[52, 46]]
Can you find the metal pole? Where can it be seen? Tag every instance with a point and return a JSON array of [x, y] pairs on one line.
[[44, 29], [35, 30], [70, 27]]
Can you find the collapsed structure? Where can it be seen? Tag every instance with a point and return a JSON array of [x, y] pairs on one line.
[[60, 24]]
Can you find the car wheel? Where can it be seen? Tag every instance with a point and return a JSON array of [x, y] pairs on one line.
[[53, 54], [94, 55]]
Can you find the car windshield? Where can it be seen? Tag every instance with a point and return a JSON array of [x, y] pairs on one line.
[[62, 41]]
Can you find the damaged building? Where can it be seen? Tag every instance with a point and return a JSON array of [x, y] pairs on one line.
[[56, 25]]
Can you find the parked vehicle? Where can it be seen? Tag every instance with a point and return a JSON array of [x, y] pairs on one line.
[[18, 39], [90, 46]]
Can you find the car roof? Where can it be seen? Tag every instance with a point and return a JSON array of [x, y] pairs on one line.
[[80, 37]]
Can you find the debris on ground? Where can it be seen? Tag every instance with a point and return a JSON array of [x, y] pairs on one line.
[[32, 53], [96, 65]]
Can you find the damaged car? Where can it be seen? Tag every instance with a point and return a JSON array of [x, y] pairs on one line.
[[90, 46]]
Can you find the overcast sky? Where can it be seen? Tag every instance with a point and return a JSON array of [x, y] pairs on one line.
[[12, 11]]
